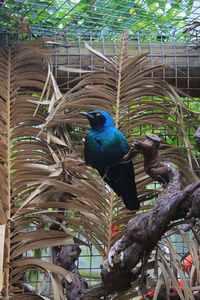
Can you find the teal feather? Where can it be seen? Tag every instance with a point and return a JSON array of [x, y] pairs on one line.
[[105, 147]]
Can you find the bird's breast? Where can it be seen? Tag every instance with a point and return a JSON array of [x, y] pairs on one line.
[[104, 148]]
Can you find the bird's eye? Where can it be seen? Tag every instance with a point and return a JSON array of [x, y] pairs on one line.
[[97, 115]]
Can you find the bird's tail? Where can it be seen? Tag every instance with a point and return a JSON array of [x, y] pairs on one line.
[[128, 187], [121, 179]]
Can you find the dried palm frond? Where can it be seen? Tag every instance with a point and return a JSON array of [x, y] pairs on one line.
[[25, 158], [138, 104], [175, 276], [178, 274], [47, 180]]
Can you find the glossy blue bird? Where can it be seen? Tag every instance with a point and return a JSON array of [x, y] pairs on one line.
[[105, 147]]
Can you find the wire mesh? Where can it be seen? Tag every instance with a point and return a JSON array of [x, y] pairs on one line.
[[172, 21], [183, 60], [169, 32]]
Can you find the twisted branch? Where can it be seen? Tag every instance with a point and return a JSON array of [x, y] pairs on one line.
[[144, 231]]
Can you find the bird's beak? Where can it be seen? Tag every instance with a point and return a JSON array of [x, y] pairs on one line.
[[88, 115]]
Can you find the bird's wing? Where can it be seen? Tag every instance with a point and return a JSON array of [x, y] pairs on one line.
[[107, 175], [121, 178], [124, 175]]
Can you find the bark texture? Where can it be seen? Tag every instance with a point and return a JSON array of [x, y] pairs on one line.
[[67, 258], [142, 232]]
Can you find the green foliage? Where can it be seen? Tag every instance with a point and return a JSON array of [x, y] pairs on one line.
[[160, 19]]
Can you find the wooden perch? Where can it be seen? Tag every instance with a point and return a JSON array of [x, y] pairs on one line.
[[142, 232], [154, 165], [145, 230]]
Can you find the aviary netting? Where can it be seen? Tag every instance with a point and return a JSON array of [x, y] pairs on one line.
[[47, 189]]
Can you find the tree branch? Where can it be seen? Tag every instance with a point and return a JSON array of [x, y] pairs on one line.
[[144, 231]]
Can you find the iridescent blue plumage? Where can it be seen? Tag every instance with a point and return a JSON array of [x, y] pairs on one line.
[[105, 146]]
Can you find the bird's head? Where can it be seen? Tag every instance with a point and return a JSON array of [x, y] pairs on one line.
[[98, 119]]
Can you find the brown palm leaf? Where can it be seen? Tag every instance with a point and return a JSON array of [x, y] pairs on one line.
[[25, 158], [138, 103], [47, 178]]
